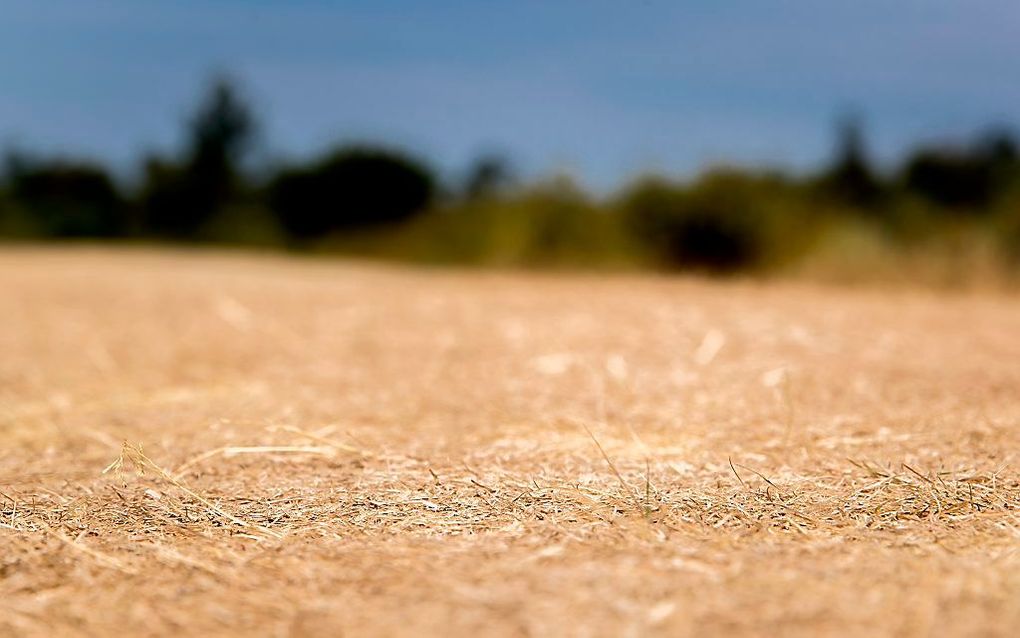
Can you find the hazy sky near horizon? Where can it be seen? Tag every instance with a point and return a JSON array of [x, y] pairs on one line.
[[604, 89]]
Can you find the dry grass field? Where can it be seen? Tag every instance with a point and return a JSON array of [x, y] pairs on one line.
[[213, 444]]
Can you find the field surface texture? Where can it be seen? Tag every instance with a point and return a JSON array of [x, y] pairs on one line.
[[202, 444]]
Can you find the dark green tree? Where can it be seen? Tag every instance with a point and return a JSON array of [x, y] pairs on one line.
[[351, 188], [850, 179], [180, 197], [964, 179], [66, 198]]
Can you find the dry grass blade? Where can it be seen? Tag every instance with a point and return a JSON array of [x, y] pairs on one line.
[[735, 473], [175, 557], [343, 447], [627, 489], [229, 451], [101, 558], [143, 462]]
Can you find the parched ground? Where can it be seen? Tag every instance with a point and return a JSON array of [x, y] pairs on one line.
[[300, 447]]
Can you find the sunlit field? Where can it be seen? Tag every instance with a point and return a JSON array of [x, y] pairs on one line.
[[206, 444]]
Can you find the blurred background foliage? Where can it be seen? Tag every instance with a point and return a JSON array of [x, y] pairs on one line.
[[947, 213]]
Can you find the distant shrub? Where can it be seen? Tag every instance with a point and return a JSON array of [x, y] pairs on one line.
[[551, 224], [10, 219], [726, 222], [1006, 226], [949, 179], [176, 202], [489, 176], [557, 224], [967, 180], [351, 188], [67, 199]]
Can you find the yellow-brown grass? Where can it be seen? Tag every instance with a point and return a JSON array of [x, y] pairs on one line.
[[222, 445]]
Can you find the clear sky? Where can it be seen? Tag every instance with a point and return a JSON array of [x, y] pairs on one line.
[[601, 88]]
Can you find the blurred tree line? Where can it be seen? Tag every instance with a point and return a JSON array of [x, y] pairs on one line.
[[379, 201]]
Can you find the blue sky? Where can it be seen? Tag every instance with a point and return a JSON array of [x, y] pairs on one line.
[[602, 89]]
